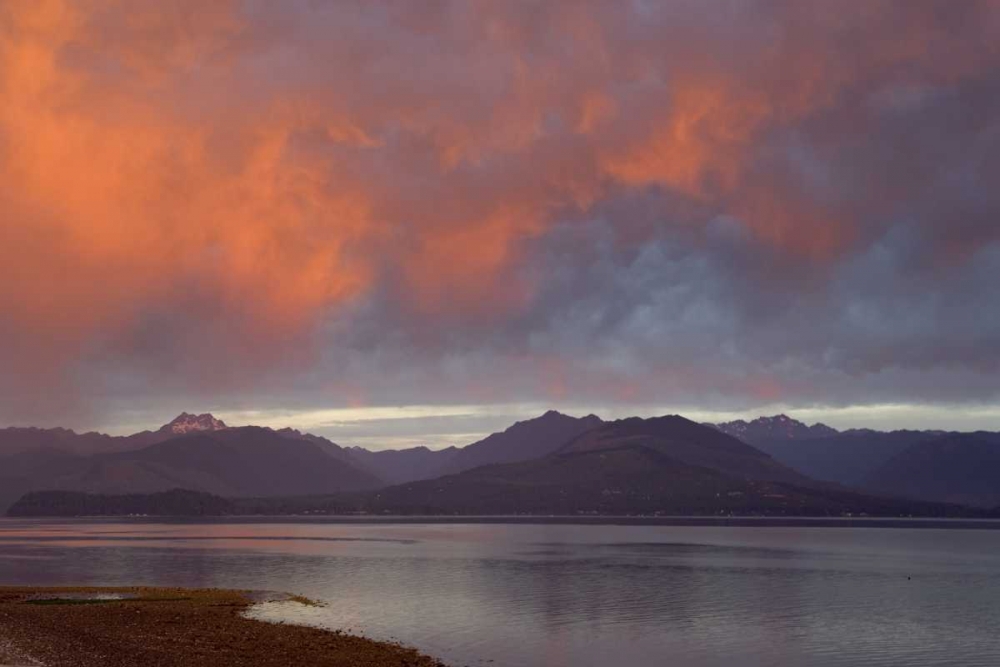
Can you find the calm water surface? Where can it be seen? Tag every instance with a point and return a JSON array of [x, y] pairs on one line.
[[553, 595]]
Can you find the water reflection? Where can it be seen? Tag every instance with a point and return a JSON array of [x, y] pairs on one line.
[[572, 595]]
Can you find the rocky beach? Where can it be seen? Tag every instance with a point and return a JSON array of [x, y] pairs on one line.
[[119, 627]]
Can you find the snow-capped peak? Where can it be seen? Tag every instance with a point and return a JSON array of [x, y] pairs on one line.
[[776, 427], [188, 423]]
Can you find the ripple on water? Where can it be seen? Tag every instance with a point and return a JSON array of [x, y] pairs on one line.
[[556, 596]]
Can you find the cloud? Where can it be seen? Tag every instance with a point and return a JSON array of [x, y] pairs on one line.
[[313, 203]]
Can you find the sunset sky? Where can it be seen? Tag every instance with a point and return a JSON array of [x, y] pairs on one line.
[[412, 222]]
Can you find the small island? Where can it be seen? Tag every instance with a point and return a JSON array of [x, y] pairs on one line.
[[161, 627]]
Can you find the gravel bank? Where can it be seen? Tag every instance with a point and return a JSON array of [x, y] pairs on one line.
[[171, 627], [11, 655]]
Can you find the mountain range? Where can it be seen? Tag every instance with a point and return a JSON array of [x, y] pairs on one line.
[[523, 441], [956, 468], [196, 452], [931, 465], [554, 463], [665, 465], [779, 427]]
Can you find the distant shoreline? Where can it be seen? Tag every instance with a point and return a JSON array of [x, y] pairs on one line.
[[610, 520], [167, 627]]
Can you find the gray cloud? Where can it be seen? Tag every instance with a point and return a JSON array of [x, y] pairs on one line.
[[318, 204]]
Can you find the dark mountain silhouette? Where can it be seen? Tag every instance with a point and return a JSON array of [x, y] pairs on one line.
[[176, 502], [553, 463], [15, 440], [666, 465], [524, 440], [342, 454], [247, 461], [958, 467], [235, 462], [31, 469], [846, 458], [191, 451], [823, 453], [397, 466], [631, 479], [252, 461], [529, 439], [778, 427], [687, 442]]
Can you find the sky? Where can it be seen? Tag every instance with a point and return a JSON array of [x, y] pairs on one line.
[[399, 223]]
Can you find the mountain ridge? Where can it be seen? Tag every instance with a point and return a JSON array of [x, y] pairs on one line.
[[245, 461], [201, 453], [191, 423], [957, 467], [780, 425], [630, 466]]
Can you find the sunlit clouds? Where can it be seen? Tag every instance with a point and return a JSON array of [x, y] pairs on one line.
[[305, 206]]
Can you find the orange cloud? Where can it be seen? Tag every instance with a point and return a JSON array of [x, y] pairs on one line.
[[151, 150], [128, 198]]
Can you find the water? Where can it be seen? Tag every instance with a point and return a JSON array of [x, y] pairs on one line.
[[553, 595]]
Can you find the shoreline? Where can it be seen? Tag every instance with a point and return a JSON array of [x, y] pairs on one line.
[[965, 523], [167, 627]]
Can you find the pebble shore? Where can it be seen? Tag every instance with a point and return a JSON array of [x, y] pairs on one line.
[[158, 627]]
